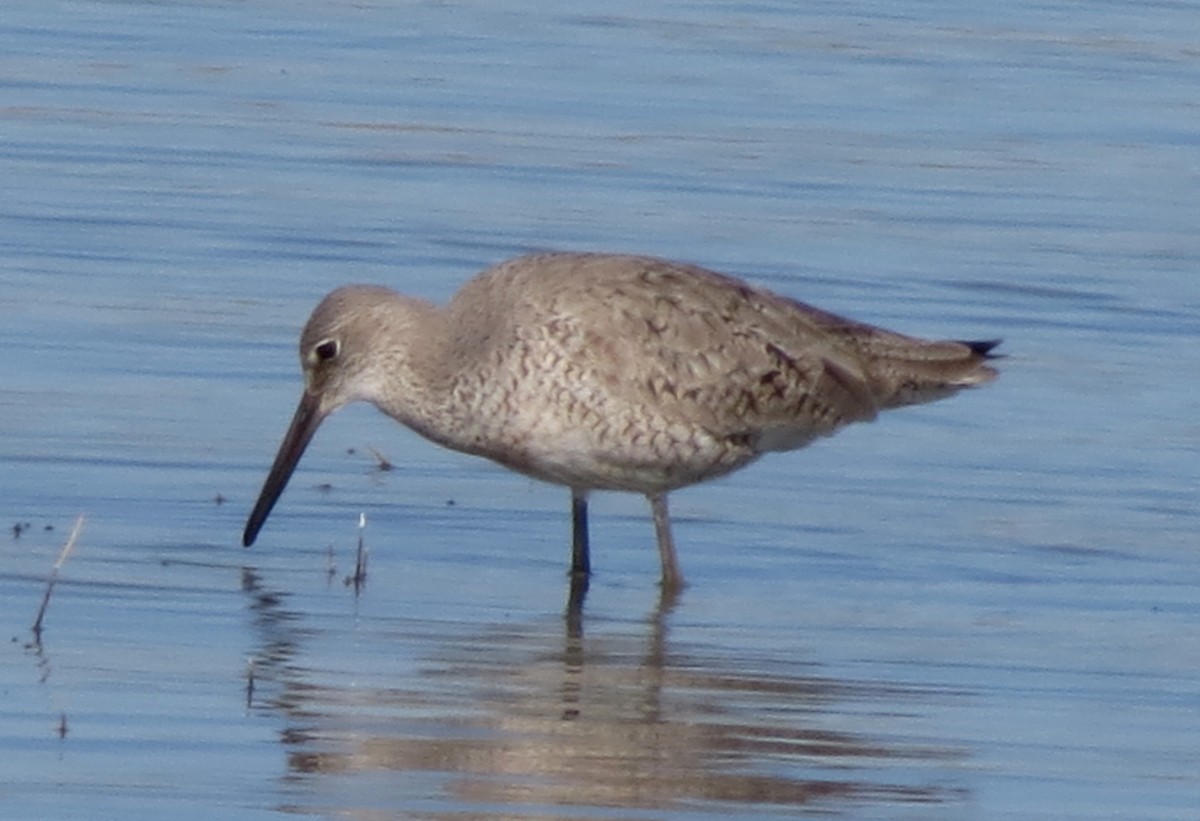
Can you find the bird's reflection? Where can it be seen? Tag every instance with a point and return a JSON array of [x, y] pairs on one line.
[[614, 716]]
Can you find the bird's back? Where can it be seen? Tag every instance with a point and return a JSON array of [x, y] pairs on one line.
[[657, 354]]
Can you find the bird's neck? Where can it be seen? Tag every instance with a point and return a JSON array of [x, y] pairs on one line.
[[415, 385]]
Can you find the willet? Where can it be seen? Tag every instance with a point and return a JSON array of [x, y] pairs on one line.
[[608, 372]]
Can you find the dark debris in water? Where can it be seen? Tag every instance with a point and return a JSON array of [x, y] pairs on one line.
[[20, 528]]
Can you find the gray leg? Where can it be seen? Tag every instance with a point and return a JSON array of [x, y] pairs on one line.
[[581, 563], [672, 579]]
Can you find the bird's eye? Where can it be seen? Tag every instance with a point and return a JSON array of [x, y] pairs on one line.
[[326, 350]]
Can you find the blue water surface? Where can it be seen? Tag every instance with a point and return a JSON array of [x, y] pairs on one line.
[[986, 608]]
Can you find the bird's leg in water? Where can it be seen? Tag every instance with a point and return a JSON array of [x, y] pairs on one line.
[[581, 562], [672, 578]]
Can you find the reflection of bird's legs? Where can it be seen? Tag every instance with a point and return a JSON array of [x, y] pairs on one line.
[[574, 614], [573, 653]]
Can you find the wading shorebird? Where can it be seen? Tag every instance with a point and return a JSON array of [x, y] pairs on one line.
[[609, 372]]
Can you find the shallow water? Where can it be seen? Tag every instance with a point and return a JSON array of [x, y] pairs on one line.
[[985, 608]]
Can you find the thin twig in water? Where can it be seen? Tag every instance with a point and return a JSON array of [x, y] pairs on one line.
[[382, 462], [359, 579], [330, 565], [249, 683], [62, 558]]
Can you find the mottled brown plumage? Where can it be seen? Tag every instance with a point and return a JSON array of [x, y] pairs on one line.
[[608, 372]]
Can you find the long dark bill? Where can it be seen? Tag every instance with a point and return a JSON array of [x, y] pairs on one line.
[[304, 424]]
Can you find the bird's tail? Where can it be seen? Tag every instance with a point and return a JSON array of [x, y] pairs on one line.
[[924, 371]]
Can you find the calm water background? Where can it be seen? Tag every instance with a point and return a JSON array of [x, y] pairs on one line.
[[983, 609]]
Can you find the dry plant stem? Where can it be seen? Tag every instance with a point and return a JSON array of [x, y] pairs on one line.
[[381, 461], [62, 559], [360, 558], [249, 684]]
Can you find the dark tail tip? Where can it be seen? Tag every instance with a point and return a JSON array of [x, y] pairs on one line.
[[984, 347]]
